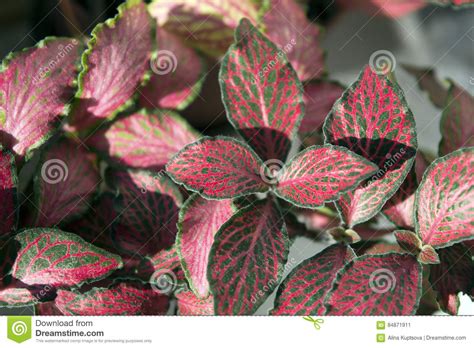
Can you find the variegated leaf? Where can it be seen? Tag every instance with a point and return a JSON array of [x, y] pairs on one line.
[[122, 299], [445, 200], [144, 139], [218, 168], [428, 255], [57, 258], [261, 92], [373, 120], [247, 258], [400, 208], [189, 304], [285, 23], [408, 241], [321, 173], [16, 297], [113, 66], [199, 220], [176, 74], [65, 184], [386, 284], [304, 289], [208, 25], [36, 86]]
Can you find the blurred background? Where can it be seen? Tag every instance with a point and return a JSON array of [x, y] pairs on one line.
[[431, 36]]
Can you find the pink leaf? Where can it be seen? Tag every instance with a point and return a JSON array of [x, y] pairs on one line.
[[428, 255], [408, 241], [391, 8], [144, 139], [177, 72], [321, 173], [148, 207], [165, 259], [304, 289], [287, 26], [388, 284], [400, 208], [113, 66], [373, 120], [261, 93], [208, 25], [319, 97], [199, 221], [56, 258], [247, 258], [122, 299], [219, 167], [36, 86], [398, 8], [16, 297], [8, 193], [65, 184], [189, 304], [457, 126], [445, 200]]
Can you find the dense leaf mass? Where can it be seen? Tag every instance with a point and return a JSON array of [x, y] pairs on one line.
[[113, 204]]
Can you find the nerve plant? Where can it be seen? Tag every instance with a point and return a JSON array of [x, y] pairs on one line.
[[218, 242]]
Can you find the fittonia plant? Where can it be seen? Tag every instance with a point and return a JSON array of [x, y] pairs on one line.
[[113, 204]]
